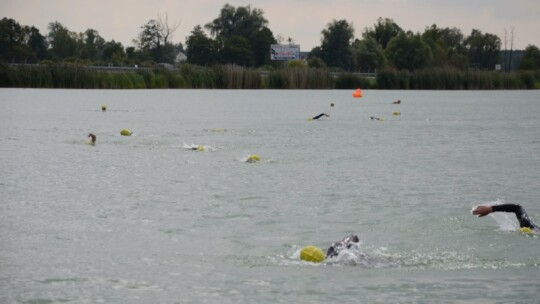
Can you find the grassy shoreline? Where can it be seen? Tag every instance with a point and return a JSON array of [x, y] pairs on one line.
[[234, 77]]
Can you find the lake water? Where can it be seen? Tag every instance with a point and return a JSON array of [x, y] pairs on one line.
[[146, 219]]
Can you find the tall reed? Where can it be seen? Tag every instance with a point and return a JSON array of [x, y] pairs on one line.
[[74, 76], [447, 78]]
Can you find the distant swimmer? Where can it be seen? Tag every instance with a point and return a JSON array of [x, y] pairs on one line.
[[525, 223], [332, 104], [375, 118], [93, 139], [321, 115], [397, 102]]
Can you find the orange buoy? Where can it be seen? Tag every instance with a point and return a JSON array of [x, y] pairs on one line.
[[357, 93]]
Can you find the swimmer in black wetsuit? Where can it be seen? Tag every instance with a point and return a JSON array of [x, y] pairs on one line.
[[521, 215], [345, 243], [321, 115]]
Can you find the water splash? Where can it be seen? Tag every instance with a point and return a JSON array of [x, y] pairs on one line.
[[505, 221], [194, 147], [381, 257]]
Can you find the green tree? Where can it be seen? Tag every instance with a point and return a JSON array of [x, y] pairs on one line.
[[93, 45], [260, 45], [297, 64], [369, 54], [247, 23], [316, 62], [201, 49], [63, 42], [383, 31], [113, 52], [241, 21], [336, 44], [37, 43], [237, 50], [13, 47], [483, 49], [150, 41], [408, 51], [446, 46], [531, 58], [154, 40]]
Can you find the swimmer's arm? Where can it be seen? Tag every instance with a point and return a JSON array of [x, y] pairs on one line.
[[485, 210], [520, 213], [514, 208]]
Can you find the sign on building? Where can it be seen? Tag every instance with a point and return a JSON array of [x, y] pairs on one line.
[[284, 52]]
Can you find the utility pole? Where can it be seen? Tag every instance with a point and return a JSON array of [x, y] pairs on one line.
[[511, 46], [505, 59]]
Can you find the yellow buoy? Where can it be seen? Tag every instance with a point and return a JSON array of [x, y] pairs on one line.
[[125, 132], [397, 113], [200, 148], [253, 158], [312, 254]]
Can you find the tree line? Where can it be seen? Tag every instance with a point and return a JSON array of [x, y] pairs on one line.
[[241, 36]]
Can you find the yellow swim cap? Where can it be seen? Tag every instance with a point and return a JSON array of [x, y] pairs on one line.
[[253, 158], [312, 254], [526, 230], [125, 132]]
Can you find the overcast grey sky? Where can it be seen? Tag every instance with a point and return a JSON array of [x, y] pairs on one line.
[[302, 20]]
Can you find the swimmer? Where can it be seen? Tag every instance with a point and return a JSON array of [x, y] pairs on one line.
[[397, 102], [321, 115], [521, 215], [332, 104], [375, 118], [345, 243], [316, 255], [93, 136]]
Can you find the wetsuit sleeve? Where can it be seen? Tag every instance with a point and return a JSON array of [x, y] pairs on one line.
[[521, 215]]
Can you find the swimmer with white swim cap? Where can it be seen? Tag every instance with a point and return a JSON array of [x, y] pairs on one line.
[[525, 223]]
